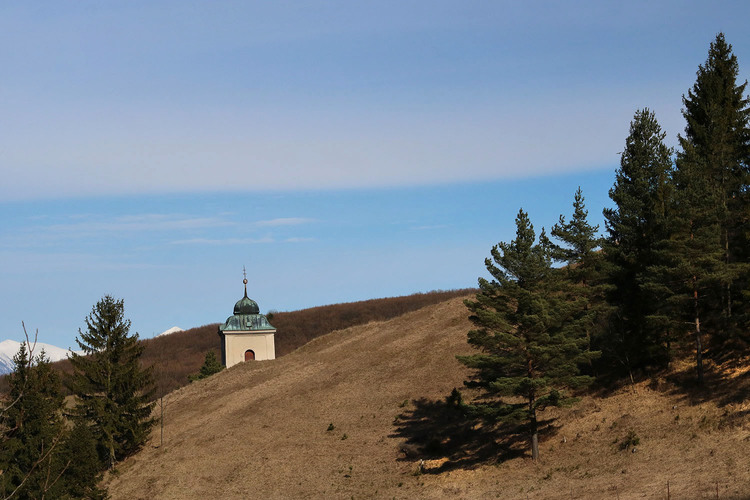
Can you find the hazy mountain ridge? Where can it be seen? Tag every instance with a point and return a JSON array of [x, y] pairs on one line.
[[9, 348]]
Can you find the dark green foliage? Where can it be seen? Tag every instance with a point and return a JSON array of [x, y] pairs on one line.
[[527, 353], [210, 366], [713, 163], [83, 471], [694, 275], [32, 430], [583, 270], [40, 457], [637, 228], [112, 389]]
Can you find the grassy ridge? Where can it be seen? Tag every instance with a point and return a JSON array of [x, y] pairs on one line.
[[180, 354]]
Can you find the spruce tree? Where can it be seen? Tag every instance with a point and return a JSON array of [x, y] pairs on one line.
[[637, 227], [32, 430], [112, 390], [527, 355], [715, 152], [83, 471]]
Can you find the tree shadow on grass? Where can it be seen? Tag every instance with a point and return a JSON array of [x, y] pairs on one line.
[[437, 430], [726, 383]]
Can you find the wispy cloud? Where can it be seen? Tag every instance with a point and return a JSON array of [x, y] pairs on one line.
[[13, 262], [284, 221], [224, 241], [298, 240], [138, 223]]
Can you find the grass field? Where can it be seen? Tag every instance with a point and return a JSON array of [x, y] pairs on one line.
[[359, 413]]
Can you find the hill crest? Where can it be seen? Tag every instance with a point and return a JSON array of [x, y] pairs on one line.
[[335, 418]]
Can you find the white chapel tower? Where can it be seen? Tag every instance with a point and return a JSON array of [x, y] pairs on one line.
[[246, 335]]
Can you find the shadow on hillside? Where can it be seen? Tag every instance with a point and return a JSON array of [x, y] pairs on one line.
[[723, 386], [435, 430]]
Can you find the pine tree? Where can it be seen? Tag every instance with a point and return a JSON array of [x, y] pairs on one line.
[[210, 366], [583, 270], [527, 355], [637, 228], [695, 270], [715, 152], [33, 430], [111, 388]]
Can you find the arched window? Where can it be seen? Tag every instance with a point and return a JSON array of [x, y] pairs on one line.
[[249, 355]]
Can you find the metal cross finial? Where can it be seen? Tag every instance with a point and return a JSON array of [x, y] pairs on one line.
[[244, 274]]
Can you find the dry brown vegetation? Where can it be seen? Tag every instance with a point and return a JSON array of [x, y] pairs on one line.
[[180, 354], [353, 413]]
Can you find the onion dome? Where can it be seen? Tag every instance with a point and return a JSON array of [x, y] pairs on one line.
[[246, 316], [246, 306]]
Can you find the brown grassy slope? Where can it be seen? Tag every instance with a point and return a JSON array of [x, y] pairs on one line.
[[180, 354], [260, 430]]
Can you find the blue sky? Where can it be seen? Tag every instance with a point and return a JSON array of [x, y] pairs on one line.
[[339, 150]]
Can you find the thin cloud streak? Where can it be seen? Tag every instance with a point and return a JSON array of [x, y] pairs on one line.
[[225, 241], [147, 222], [299, 240], [284, 221]]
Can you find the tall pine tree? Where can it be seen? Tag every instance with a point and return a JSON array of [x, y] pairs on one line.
[[715, 154], [583, 266], [637, 227], [111, 388], [527, 354]]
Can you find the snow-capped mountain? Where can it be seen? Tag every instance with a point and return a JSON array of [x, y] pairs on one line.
[[9, 348], [174, 329]]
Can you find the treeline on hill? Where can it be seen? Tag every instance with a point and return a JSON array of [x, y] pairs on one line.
[[671, 275]]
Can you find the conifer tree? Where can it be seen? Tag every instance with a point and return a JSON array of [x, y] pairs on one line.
[[33, 430], [715, 152], [695, 268], [527, 355], [83, 471], [637, 227], [210, 366], [583, 270], [111, 388]]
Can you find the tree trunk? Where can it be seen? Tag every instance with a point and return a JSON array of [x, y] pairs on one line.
[[698, 343], [729, 283], [534, 431]]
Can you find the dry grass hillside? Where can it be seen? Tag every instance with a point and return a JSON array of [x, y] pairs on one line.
[[352, 413], [180, 354]]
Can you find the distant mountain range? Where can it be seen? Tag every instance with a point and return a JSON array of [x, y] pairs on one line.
[[9, 348]]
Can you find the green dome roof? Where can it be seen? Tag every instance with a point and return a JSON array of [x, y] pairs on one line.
[[246, 306], [246, 317]]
